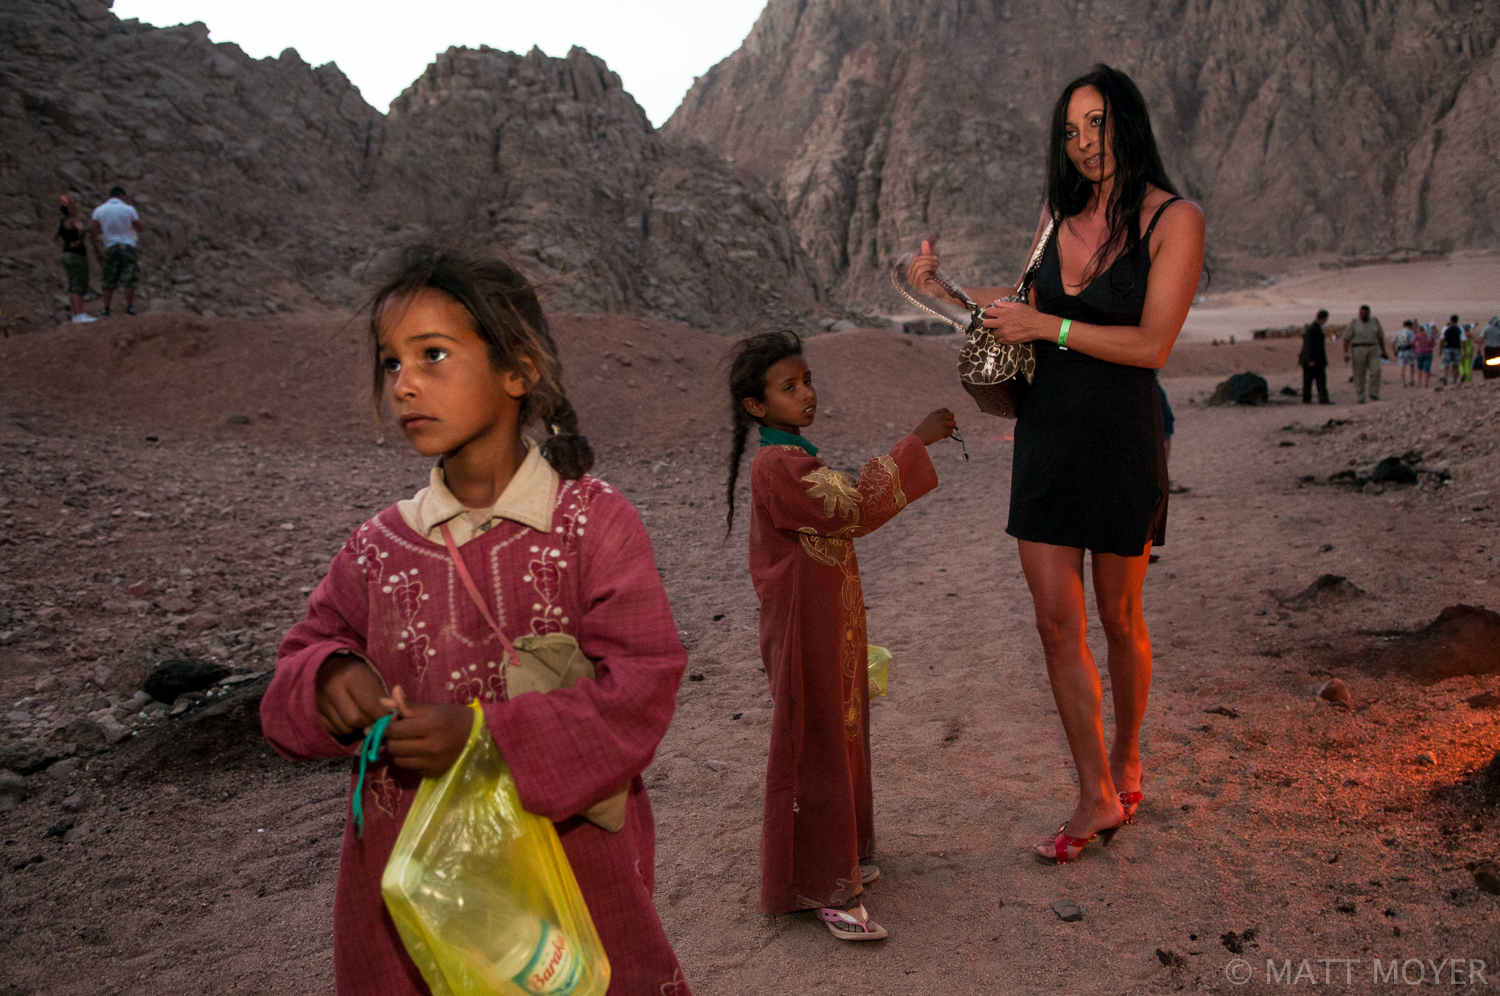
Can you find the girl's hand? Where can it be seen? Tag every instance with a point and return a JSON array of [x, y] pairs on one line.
[[348, 695], [1012, 322], [939, 425], [426, 738], [919, 271]]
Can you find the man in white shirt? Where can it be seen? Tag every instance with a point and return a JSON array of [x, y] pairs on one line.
[[116, 224]]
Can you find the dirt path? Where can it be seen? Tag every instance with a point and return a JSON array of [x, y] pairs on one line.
[[206, 865]]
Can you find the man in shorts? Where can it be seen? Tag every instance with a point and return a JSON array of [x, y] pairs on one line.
[[1361, 339], [116, 224], [1406, 353], [1453, 347]]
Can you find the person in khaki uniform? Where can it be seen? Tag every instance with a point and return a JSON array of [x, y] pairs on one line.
[[1363, 337]]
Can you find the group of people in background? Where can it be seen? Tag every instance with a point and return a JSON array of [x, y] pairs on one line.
[[111, 232], [1458, 347]]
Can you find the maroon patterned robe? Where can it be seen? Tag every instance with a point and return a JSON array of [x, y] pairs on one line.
[[393, 596], [819, 817]]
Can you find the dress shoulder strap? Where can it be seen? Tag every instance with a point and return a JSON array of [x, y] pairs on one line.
[[1157, 217]]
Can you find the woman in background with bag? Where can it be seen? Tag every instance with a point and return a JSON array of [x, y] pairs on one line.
[[548, 555], [1119, 267]]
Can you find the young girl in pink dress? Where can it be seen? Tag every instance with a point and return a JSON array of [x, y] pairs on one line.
[[463, 362], [804, 516]]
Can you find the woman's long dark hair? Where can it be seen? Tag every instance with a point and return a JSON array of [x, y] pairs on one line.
[[747, 379], [506, 314], [1137, 163]]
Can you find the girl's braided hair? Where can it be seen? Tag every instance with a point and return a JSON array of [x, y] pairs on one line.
[[506, 314], [747, 379]]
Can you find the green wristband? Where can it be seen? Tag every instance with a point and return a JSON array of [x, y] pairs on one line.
[[1062, 333]]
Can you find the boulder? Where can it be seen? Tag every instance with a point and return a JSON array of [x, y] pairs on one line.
[[1463, 639], [86, 733], [1242, 389], [1328, 589], [27, 757], [1393, 470], [170, 679], [13, 790]]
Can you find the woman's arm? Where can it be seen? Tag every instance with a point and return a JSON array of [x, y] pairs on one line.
[[1175, 270], [919, 271]]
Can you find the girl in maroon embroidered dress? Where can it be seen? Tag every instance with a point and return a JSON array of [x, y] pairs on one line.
[[464, 361], [819, 814]]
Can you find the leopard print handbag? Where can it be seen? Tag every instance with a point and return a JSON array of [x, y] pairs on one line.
[[995, 374]]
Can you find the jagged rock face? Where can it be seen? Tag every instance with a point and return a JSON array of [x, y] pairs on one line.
[[552, 158], [237, 166], [1302, 126], [268, 185]]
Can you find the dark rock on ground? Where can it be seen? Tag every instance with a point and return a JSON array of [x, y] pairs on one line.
[[86, 733], [27, 757], [1067, 911], [1463, 639], [1484, 700], [12, 791], [1328, 589], [170, 679], [1487, 877], [1488, 782], [1242, 389], [1335, 691], [927, 326], [1393, 470]]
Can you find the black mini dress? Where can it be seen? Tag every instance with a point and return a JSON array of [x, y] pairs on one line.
[[1090, 466]]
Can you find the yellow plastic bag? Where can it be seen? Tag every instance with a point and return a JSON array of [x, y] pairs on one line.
[[880, 668], [482, 893]]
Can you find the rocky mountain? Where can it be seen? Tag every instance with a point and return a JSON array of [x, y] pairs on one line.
[[1302, 126], [270, 185]]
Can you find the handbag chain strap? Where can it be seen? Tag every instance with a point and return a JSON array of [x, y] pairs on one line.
[[1022, 291], [473, 590]]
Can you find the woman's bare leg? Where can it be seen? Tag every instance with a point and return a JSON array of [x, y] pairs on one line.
[[1055, 576], [1117, 589]]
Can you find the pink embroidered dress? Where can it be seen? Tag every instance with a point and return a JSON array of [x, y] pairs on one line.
[[552, 556], [819, 815]]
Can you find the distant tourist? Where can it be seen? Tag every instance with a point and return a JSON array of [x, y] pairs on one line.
[[72, 234], [1453, 346], [116, 224], [1121, 257], [1491, 348], [1421, 347], [1405, 355], [1468, 353], [1361, 339], [1314, 361]]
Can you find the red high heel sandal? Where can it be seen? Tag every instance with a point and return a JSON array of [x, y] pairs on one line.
[[1065, 848], [1131, 801]]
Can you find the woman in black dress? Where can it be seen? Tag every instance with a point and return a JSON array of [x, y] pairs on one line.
[[1117, 277]]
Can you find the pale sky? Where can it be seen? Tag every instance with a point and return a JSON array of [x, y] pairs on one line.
[[657, 46]]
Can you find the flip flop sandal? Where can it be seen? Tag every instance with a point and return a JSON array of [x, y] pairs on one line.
[[868, 874], [852, 925]]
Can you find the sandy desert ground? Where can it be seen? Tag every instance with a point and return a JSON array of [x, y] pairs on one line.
[[172, 487], [1467, 283]]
